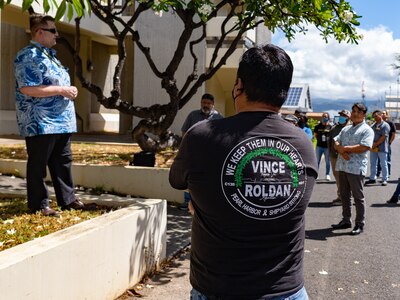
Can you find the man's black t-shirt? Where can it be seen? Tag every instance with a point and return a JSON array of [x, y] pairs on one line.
[[392, 129], [322, 132], [250, 177]]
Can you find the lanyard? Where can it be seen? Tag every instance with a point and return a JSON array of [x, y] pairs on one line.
[[47, 54]]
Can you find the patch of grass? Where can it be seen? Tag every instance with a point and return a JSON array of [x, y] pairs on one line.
[[18, 226], [90, 153]]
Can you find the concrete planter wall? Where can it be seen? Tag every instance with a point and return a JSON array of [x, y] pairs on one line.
[[137, 181], [96, 259]]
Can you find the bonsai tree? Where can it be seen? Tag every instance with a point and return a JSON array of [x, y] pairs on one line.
[[331, 17]]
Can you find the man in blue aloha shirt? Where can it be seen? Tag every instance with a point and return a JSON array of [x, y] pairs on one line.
[[46, 118], [352, 145]]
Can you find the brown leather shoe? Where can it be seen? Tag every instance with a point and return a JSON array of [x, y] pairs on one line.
[[49, 212], [76, 204]]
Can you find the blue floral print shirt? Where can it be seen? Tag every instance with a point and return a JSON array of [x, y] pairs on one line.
[[36, 65], [360, 134]]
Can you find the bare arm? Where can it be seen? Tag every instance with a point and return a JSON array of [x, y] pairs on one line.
[[41, 91], [355, 149], [392, 137], [379, 141], [346, 150]]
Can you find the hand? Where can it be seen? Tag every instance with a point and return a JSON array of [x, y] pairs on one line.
[[345, 155], [191, 208], [70, 92]]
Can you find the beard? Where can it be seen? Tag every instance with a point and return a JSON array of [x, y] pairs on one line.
[[206, 110]]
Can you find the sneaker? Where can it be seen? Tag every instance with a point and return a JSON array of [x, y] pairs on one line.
[[384, 183], [371, 181], [328, 177]]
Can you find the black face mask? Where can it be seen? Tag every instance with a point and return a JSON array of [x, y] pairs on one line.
[[233, 90], [301, 124], [233, 97]]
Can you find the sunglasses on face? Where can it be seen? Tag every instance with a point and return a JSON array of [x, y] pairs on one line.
[[52, 30]]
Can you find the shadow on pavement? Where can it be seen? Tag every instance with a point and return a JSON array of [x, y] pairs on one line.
[[380, 205], [324, 233], [324, 182], [178, 230], [320, 204]]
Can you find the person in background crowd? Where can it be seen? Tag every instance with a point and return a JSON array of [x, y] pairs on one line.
[[352, 145], [303, 123], [206, 112], [321, 132], [395, 197], [392, 136], [292, 119], [249, 244], [344, 118], [379, 148], [46, 118]]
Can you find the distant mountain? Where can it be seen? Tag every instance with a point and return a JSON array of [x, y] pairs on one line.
[[320, 104]]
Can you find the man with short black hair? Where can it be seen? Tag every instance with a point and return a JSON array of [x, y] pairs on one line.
[[392, 136], [380, 148], [251, 177], [352, 145]]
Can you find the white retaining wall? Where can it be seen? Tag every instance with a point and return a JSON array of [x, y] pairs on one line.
[[94, 260]]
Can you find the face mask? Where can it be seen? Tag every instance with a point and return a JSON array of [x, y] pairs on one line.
[[325, 120], [342, 120], [301, 124]]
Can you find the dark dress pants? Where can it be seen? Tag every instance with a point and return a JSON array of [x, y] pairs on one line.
[[54, 151], [352, 184]]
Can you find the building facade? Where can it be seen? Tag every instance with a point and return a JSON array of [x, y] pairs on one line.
[[99, 55]]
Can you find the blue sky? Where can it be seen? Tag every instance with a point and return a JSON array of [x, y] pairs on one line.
[[379, 12], [339, 71]]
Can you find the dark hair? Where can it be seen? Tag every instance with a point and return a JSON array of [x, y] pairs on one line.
[[266, 73], [378, 112], [360, 106], [326, 113], [208, 97], [37, 20]]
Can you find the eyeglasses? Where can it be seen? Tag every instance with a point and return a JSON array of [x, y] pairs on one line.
[[52, 30]]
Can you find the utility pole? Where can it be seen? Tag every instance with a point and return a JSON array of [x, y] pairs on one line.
[[363, 93], [397, 100]]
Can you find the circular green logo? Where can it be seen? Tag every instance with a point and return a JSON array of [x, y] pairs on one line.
[[263, 177]]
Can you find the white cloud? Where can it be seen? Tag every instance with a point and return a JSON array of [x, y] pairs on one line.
[[336, 71]]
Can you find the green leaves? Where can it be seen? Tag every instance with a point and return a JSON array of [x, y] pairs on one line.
[[26, 4], [333, 18], [61, 10]]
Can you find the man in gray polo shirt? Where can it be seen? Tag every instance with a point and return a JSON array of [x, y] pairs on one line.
[[206, 112]]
